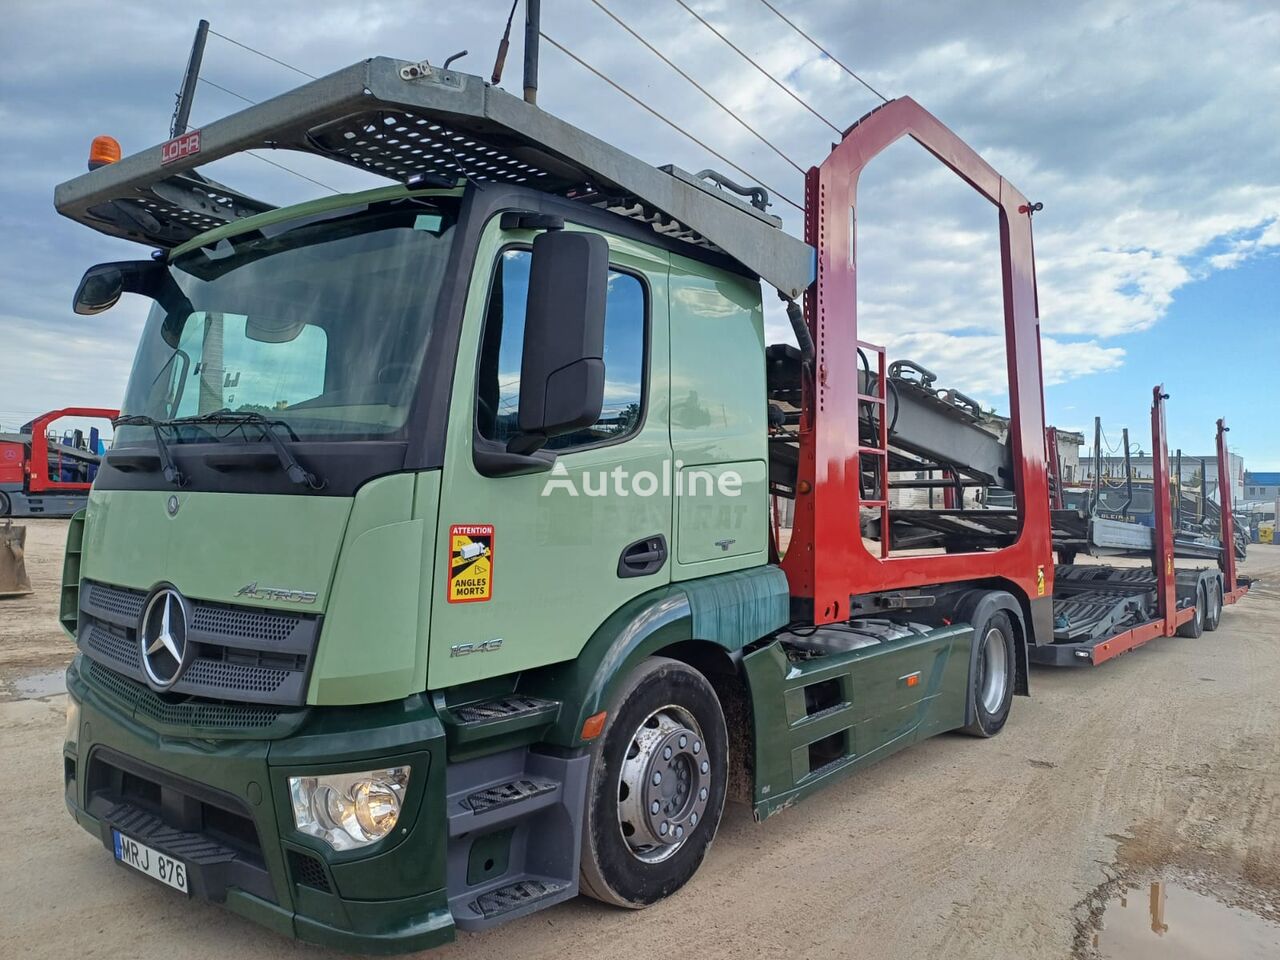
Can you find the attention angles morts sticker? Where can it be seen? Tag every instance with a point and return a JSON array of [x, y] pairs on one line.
[[470, 562]]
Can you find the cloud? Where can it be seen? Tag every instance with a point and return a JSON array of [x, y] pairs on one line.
[[1148, 131]]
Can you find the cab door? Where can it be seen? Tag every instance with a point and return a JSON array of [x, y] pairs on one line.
[[532, 564]]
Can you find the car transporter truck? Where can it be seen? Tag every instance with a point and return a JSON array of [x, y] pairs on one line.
[[429, 580]]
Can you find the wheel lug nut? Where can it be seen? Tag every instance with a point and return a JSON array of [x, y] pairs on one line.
[[693, 819], [697, 746], [655, 807], [683, 741], [662, 830], [679, 833], [705, 766], [666, 753], [657, 777], [702, 794]]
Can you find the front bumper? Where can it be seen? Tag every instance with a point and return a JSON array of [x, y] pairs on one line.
[[218, 801]]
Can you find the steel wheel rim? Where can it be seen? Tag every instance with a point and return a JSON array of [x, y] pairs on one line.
[[664, 785], [995, 670]]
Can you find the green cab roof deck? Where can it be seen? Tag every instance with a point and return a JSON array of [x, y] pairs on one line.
[[421, 126]]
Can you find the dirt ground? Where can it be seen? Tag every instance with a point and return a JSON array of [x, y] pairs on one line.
[[1163, 763]]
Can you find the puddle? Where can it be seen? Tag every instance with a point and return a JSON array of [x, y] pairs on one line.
[[45, 683], [1164, 920]]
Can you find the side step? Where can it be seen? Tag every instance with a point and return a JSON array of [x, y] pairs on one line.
[[487, 725], [505, 708], [528, 892], [515, 832], [513, 791]]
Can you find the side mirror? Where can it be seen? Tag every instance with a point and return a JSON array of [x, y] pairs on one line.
[[562, 371], [101, 286]]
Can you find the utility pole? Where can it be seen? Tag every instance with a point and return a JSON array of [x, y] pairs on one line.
[[532, 31], [182, 110]]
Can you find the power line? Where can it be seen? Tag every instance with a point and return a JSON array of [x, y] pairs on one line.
[[703, 90], [293, 171], [774, 80], [268, 56], [297, 173], [218, 86], [674, 126], [824, 50]]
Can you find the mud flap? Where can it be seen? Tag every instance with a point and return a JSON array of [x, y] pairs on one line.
[[13, 569]]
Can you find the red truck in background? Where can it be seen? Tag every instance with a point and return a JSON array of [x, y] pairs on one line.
[[47, 474]]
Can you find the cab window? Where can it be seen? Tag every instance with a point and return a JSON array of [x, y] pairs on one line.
[[502, 348]]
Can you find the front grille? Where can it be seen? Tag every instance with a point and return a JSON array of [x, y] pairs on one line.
[[111, 642], [252, 624], [126, 603], [233, 676], [203, 714], [240, 654]]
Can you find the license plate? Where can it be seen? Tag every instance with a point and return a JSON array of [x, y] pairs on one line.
[[151, 862]]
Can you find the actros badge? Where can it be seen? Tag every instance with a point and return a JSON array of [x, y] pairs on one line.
[[276, 593]]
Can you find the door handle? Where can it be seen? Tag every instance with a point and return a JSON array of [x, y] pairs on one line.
[[644, 557]]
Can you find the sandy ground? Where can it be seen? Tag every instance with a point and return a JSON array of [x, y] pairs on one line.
[[1165, 762]]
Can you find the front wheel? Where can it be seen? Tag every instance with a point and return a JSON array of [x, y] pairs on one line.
[[657, 787], [991, 694]]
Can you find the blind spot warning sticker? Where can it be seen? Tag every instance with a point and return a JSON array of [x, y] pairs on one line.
[[1040, 581], [470, 562]]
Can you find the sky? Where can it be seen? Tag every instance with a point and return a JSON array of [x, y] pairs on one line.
[[1149, 131]]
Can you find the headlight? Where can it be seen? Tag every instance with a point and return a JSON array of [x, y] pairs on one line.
[[73, 721], [349, 810]]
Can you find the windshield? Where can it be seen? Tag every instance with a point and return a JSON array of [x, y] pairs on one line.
[[320, 323]]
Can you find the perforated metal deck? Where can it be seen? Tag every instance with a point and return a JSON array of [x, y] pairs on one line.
[[435, 127]]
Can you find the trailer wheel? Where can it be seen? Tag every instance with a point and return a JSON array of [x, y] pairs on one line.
[[1213, 616], [657, 786], [5, 504], [992, 693], [1195, 626]]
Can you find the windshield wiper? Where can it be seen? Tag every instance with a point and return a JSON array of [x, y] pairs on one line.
[[297, 473], [171, 471]]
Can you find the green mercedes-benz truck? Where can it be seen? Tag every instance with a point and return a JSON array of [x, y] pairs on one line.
[[432, 578]]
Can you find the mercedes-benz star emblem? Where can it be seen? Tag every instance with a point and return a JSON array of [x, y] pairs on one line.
[[163, 637], [172, 505]]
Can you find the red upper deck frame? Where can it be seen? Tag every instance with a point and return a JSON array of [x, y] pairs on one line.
[[40, 481], [827, 562]]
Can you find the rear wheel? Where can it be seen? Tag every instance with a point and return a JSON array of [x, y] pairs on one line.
[[657, 787], [991, 694], [5, 504], [1213, 616], [1195, 626]]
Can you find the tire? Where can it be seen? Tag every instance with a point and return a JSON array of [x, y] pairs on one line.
[[991, 692], [1213, 615], [6, 504], [625, 859], [1195, 626]]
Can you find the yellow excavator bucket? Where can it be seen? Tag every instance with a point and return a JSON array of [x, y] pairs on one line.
[[13, 571]]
